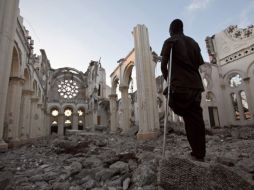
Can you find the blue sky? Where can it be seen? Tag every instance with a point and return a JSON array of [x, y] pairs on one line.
[[73, 32]]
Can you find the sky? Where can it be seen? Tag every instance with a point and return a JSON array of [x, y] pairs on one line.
[[74, 32]]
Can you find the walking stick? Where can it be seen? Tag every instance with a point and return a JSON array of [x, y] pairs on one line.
[[167, 100]]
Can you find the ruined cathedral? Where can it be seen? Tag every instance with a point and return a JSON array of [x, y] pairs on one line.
[[37, 100]]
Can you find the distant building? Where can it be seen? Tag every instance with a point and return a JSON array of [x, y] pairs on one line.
[[229, 78]]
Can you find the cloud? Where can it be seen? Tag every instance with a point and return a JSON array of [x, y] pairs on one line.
[[197, 5]]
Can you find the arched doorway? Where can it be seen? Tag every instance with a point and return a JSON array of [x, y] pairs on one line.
[[68, 113], [54, 121], [81, 119]]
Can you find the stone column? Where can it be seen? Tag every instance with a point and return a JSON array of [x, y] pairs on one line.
[[13, 107], [94, 118], [26, 117], [43, 123], [40, 126], [248, 97], [47, 123], [8, 23], [75, 121], [146, 85], [113, 112], [34, 117], [61, 117], [125, 106], [240, 107], [94, 113]]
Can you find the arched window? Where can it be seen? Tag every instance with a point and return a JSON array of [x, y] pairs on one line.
[[81, 119], [235, 106], [245, 106], [235, 80], [209, 97]]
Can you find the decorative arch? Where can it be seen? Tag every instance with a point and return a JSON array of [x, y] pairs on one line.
[[16, 63], [115, 82], [53, 106], [67, 71], [123, 71], [127, 72], [35, 87], [69, 105], [83, 107], [231, 73]]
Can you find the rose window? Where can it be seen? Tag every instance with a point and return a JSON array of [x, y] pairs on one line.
[[68, 89]]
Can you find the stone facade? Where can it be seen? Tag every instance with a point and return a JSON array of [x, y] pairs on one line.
[[228, 79], [77, 100], [37, 100]]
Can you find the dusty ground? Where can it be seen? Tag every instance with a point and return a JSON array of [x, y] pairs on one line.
[[101, 161]]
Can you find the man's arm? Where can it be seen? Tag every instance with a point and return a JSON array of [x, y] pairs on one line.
[[200, 60], [164, 61], [164, 67]]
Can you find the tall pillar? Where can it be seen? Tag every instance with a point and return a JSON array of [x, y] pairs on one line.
[[8, 23], [146, 85], [61, 117], [47, 123], [113, 112], [43, 119], [248, 97], [75, 121], [26, 116], [39, 128], [33, 117], [94, 118], [125, 106], [13, 107]]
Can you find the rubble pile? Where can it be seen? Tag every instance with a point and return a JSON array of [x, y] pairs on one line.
[[100, 161]]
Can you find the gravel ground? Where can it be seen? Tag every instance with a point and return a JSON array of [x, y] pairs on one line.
[[101, 161]]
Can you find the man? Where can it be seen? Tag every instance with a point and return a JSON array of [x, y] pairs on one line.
[[186, 84]]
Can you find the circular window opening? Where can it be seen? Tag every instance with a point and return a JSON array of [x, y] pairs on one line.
[[55, 112], [68, 112], [68, 89], [80, 112]]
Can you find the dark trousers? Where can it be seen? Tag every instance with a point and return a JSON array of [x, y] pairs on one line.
[[186, 103]]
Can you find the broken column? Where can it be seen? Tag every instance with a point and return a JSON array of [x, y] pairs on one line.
[[113, 112], [60, 130], [125, 105], [13, 107], [75, 121], [8, 22], [148, 112]]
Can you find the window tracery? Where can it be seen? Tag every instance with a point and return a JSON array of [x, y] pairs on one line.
[[68, 89]]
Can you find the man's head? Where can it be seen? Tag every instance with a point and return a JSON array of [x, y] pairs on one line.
[[176, 27]]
